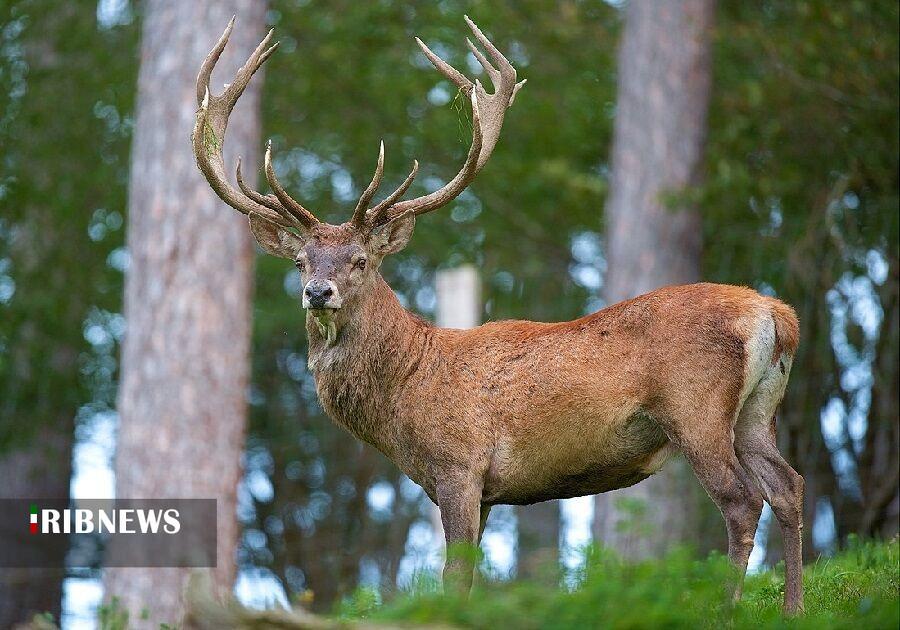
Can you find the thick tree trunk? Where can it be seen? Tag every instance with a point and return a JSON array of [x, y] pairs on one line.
[[660, 133], [538, 552], [185, 357], [42, 470]]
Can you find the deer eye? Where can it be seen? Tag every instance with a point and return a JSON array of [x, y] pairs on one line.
[[360, 264]]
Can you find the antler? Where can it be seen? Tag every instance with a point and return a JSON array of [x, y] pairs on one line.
[[488, 111], [209, 136], [366, 219]]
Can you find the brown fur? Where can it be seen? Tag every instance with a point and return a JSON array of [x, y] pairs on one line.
[[622, 374]]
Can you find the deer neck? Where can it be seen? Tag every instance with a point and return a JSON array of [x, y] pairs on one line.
[[363, 362]]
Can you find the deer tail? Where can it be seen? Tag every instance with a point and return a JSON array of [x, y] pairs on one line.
[[787, 329]]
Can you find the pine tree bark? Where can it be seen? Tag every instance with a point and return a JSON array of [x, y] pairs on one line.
[[185, 357], [652, 238], [43, 469], [538, 548]]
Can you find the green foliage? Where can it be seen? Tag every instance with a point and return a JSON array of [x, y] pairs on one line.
[[858, 588], [804, 113], [68, 88], [113, 616], [634, 516], [364, 601]]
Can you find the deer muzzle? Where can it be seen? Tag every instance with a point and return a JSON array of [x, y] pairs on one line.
[[321, 294]]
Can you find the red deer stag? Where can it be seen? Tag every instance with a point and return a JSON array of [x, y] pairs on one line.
[[516, 412]]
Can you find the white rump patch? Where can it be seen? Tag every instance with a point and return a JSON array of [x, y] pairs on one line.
[[758, 351]]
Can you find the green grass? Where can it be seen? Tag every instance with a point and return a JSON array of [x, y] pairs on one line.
[[858, 588]]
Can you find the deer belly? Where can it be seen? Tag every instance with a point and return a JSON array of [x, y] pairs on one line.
[[571, 464]]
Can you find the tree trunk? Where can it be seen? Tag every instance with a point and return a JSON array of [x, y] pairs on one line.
[[41, 470], [185, 365], [652, 238], [879, 463], [538, 552]]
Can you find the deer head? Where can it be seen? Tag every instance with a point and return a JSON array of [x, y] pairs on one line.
[[338, 263]]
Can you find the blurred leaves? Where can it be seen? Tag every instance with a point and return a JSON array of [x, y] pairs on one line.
[[68, 90]]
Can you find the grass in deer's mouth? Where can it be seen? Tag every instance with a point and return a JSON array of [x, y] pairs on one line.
[[325, 323]]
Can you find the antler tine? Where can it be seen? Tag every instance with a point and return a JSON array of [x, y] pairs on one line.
[[210, 62], [301, 214], [449, 191], [501, 61], [491, 71], [211, 124], [359, 213], [259, 56], [269, 201], [503, 78], [377, 215], [234, 89], [445, 68], [488, 111], [208, 137]]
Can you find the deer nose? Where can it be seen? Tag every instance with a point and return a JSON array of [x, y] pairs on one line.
[[318, 292]]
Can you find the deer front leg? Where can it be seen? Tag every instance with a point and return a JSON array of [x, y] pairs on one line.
[[459, 499]]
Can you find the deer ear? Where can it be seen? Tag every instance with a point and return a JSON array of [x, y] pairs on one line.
[[393, 236], [273, 238]]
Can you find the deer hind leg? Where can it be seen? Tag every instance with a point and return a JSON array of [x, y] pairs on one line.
[[780, 484], [712, 456]]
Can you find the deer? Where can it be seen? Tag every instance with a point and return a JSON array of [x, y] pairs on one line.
[[519, 412]]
